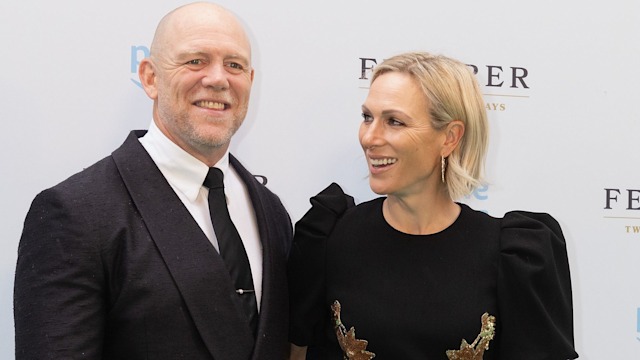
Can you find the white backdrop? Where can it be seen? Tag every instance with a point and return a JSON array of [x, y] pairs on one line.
[[68, 99]]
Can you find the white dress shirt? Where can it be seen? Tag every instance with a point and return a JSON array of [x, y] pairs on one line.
[[186, 174]]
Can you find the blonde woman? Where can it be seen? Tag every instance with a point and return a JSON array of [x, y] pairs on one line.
[[413, 271]]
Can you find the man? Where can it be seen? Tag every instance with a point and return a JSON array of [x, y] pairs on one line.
[[121, 261]]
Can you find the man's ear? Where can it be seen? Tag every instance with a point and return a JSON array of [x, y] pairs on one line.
[[253, 72], [148, 79], [454, 133]]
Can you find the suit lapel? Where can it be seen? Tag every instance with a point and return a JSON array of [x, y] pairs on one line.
[[196, 267], [274, 303]]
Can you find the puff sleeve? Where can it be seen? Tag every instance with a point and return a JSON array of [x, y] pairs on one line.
[[307, 264], [534, 290]]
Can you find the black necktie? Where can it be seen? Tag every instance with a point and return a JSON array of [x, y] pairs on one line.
[[231, 247]]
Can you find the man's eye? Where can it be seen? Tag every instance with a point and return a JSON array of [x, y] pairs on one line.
[[194, 62], [235, 68]]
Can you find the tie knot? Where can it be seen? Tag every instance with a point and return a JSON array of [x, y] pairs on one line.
[[214, 179]]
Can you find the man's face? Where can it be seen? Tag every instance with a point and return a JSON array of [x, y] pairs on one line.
[[203, 80]]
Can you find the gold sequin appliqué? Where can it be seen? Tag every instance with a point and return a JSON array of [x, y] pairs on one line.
[[476, 350], [352, 348]]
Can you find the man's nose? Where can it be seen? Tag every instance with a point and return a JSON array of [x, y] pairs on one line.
[[215, 76]]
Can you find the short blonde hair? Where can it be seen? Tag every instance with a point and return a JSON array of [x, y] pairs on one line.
[[453, 93]]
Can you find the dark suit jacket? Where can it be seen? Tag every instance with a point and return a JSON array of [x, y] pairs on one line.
[[111, 265]]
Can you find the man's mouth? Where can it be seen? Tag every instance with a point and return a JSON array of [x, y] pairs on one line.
[[213, 105], [382, 162]]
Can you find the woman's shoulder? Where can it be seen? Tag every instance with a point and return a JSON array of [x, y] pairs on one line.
[[534, 285], [331, 206], [335, 200], [528, 220], [516, 225], [367, 208], [532, 231], [518, 233], [477, 221]]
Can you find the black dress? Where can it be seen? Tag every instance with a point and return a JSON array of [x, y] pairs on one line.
[[416, 296]]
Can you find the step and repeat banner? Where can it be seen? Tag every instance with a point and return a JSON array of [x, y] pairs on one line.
[[560, 81]]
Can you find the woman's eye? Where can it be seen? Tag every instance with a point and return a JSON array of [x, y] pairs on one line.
[[394, 122], [366, 117]]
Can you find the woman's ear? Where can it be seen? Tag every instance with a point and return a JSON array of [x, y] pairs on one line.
[[454, 133], [147, 75]]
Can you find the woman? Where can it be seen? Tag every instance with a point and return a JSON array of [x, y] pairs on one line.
[[414, 272]]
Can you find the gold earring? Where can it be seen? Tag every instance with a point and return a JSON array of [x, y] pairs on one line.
[[443, 167]]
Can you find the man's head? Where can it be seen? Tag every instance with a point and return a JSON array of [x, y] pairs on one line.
[[199, 76]]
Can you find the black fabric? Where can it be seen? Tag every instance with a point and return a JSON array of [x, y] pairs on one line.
[[307, 263], [416, 296], [231, 247], [111, 265]]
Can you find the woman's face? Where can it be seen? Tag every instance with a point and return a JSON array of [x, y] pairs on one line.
[[402, 149]]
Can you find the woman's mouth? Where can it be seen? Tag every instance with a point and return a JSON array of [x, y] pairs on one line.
[[382, 162]]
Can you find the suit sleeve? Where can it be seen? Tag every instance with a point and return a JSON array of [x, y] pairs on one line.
[[59, 306]]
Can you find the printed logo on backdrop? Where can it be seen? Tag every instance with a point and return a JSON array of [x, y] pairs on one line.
[[502, 84], [622, 205], [480, 194], [138, 52]]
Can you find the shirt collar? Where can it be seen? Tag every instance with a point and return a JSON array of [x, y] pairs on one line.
[[183, 171]]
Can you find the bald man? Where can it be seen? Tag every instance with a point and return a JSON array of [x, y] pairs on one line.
[[121, 261]]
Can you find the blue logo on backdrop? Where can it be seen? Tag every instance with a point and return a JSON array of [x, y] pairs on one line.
[[138, 52], [638, 325], [481, 194]]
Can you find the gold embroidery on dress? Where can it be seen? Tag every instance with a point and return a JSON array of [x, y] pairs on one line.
[[353, 348], [473, 352]]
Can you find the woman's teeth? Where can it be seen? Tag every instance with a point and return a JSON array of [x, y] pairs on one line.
[[383, 162]]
